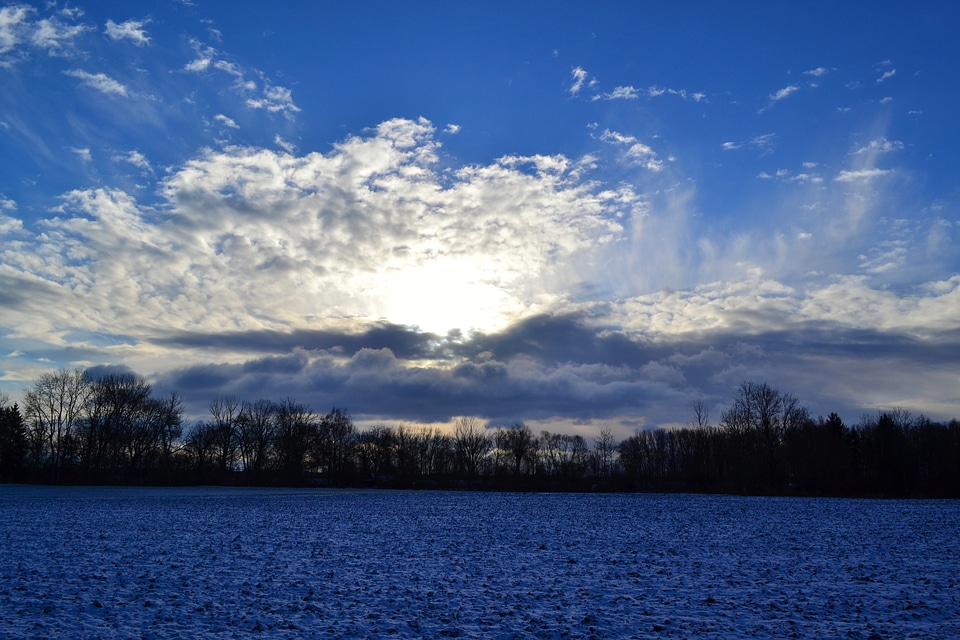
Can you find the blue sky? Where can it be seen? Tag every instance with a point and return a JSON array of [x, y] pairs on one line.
[[579, 216]]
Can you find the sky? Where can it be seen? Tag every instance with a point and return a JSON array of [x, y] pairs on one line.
[[577, 215]]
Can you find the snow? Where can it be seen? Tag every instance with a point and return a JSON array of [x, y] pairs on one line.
[[228, 563]]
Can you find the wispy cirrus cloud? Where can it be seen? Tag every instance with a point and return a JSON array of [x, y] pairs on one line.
[[635, 152], [257, 89], [579, 75], [763, 142], [99, 81], [619, 93], [878, 146], [857, 175], [56, 37], [131, 30], [13, 26]]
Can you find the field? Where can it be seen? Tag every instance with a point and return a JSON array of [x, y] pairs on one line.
[[227, 563]]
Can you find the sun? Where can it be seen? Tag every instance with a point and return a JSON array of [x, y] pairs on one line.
[[441, 295]]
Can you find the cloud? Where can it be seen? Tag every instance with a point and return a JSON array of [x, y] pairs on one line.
[[56, 37], [258, 93], [135, 158], [878, 146], [819, 72], [672, 349], [251, 239], [131, 30], [225, 121], [861, 174], [636, 152], [198, 65], [274, 99], [619, 93], [762, 142], [83, 153], [696, 96], [452, 129], [99, 81], [784, 93], [13, 21], [287, 146], [887, 75], [579, 77]]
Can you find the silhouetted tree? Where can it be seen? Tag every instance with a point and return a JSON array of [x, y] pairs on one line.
[[199, 446], [756, 424], [256, 431], [520, 448], [604, 454], [13, 441], [225, 416], [471, 445], [335, 444], [295, 435], [54, 406]]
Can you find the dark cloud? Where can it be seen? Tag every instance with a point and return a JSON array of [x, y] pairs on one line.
[[404, 342], [559, 367]]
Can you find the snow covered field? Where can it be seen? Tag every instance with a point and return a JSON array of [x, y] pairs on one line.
[[225, 563]]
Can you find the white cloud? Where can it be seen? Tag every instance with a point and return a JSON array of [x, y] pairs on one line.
[[12, 22], [198, 65], [9, 226], [887, 75], [579, 77], [83, 153], [274, 100], [452, 129], [253, 238], [762, 142], [56, 37], [861, 174], [225, 121], [257, 95], [287, 146], [880, 145], [784, 93], [655, 92], [614, 137], [816, 73], [135, 158], [99, 81], [131, 30], [619, 93], [636, 153]]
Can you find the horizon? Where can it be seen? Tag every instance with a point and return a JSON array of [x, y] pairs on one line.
[[575, 217]]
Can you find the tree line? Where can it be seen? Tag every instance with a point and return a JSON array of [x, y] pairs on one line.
[[75, 427]]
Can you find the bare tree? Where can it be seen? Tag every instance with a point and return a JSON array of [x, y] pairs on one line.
[[758, 421], [701, 415], [199, 445], [225, 413], [256, 428], [605, 450], [54, 406], [295, 437], [336, 439], [471, 445], [520, 447]]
